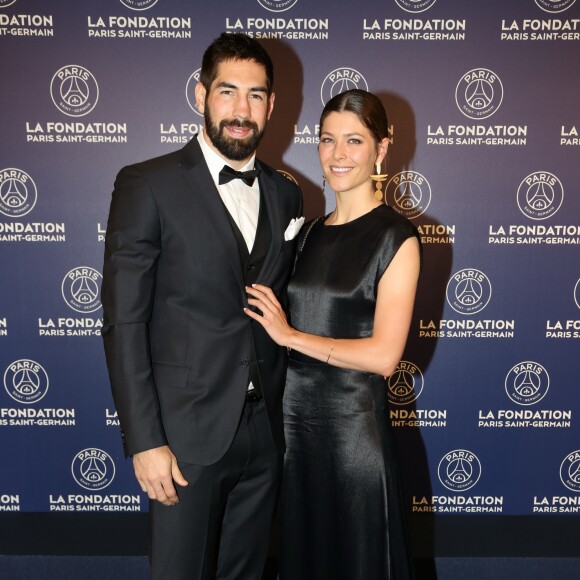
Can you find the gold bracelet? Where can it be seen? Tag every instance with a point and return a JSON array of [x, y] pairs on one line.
[[329, 353]]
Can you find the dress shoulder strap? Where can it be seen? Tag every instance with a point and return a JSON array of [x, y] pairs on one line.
[[305, 237]]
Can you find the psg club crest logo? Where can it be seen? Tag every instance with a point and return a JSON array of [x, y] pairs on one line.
[[409, 193], [18, 192], [577, 293], [479, 93], [190, 91], [6, 3], [139, 4], [81, 289], [93, 469], [340, 80], [288, 176], [570, 471], [277, 5], [459, 470], [415, 5], [405, 384], [540, 195], [554, 6], [26, 381], [468, 291], [527, 383], [74, 90]]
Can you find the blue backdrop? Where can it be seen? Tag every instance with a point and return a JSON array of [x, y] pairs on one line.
[[483, 97]]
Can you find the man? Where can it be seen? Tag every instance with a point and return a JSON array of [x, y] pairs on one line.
[[198, 384]]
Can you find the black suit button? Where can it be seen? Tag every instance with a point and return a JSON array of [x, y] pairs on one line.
[[245, 362], [251, 267]]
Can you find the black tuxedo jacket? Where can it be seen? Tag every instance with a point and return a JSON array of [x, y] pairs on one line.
[[177, 342]]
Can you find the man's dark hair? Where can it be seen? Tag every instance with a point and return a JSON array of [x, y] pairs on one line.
[[237, 46], [366, 106]]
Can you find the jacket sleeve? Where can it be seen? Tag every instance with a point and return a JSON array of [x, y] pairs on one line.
[[132, 248]]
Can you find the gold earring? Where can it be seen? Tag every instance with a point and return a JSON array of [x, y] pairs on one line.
[[378, 178]]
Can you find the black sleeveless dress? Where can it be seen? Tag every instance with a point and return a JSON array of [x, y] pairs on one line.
[[342, 515]]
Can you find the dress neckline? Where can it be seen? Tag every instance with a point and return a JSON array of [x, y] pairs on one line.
[[360, 217]]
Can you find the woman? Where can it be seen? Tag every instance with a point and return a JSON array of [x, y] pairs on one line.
[[351, 299]]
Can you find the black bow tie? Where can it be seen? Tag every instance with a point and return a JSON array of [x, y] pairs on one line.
[[228, 173]]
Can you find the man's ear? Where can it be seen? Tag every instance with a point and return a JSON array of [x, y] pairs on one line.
[[200, 94], [271, 99]]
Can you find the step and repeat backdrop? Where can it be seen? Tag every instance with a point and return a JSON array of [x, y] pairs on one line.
[[484, 103]]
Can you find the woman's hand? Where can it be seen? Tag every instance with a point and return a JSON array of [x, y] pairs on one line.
[[273, 318]]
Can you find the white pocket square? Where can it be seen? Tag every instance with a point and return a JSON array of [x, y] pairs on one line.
[[293, 228]]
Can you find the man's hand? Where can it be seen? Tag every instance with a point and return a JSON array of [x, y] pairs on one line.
[[156, 470]]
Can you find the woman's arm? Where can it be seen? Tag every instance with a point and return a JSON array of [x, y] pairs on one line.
[[379, 353]]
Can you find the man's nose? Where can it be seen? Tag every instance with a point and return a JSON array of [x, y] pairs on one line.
[[242, 107]]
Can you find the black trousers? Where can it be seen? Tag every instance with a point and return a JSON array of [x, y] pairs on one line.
[[220, 528]]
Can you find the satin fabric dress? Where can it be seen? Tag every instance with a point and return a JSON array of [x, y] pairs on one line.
[[342, 516]]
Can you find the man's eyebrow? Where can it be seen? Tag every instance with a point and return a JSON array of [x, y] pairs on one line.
[[226, 85]]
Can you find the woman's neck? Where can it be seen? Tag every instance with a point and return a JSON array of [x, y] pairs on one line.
[[352, 205]]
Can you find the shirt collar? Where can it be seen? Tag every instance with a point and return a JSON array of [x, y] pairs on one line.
[[214, 162]]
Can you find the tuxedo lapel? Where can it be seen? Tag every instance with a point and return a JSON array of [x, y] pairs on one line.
[[199, 179], [272, 207]]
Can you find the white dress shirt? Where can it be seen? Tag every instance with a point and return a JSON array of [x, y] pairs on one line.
[[241, 200]]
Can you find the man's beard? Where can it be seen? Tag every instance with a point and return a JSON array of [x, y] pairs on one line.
[[234, 149]]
